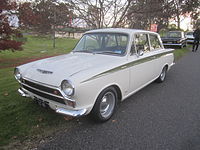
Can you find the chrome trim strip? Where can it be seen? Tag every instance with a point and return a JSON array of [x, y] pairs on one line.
[[44, 71], [73, 113], [128, 65]]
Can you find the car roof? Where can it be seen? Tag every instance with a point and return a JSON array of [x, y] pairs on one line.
[[119, 30]]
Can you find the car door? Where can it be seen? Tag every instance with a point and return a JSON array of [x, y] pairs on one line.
[[142, 63], [156, 49]]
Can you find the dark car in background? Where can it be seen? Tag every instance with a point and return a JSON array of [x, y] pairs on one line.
[[174, 38]]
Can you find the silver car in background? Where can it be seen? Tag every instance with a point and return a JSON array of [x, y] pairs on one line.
[[190, 37]]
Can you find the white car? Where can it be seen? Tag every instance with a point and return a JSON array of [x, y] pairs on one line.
[[105, 67], [190, 37]]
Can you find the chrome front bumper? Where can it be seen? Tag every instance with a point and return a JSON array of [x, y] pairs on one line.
[[22, 93], [73, 113], [63, 111]]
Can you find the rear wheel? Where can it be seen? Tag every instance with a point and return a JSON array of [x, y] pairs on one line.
[[105, 105], [162, 76]]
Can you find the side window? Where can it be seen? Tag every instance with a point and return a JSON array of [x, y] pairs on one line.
[[155, 43], [141, 42]]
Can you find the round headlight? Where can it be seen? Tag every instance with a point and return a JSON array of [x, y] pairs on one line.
[[17, 73], [67, 88]]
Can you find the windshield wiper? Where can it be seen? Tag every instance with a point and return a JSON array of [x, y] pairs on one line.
[[107, 52], [84, 51]]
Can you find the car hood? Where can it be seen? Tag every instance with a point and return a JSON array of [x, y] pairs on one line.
[[55, 69]]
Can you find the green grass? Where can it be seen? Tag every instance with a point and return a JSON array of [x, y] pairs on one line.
[[36, 47], [21, 118], [178, 53], [41, 46]]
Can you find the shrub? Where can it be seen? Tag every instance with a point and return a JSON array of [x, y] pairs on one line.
[[10, 45]]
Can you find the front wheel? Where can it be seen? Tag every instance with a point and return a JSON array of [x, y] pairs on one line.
[[105, 105], [162, 76]]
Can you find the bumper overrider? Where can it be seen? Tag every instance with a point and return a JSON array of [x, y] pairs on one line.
[[50, 97]]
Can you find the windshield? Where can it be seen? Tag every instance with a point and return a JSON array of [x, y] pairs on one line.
[[174, 34], [103, 43], [189, 33]]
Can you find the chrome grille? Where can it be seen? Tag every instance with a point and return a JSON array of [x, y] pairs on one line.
[[43, 91]]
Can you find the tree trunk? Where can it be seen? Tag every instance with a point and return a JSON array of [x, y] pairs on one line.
[[179, 21], [54, 29]]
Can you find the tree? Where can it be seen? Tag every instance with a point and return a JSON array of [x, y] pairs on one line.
[[101, 13], [7, 33], [143, 13], [28, 19], [46, 16], [192, 7], [181, 7], [43, 15]]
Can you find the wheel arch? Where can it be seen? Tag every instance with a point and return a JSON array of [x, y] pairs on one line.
[[94, 113], [166, 65], [119, 93], [116, 87]]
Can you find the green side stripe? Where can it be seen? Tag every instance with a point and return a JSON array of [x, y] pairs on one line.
[[128, 65]]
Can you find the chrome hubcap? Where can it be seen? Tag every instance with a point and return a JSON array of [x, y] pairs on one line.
[[107, 104], [162, 75]]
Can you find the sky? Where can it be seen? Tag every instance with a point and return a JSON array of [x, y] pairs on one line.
[[185, 21]]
